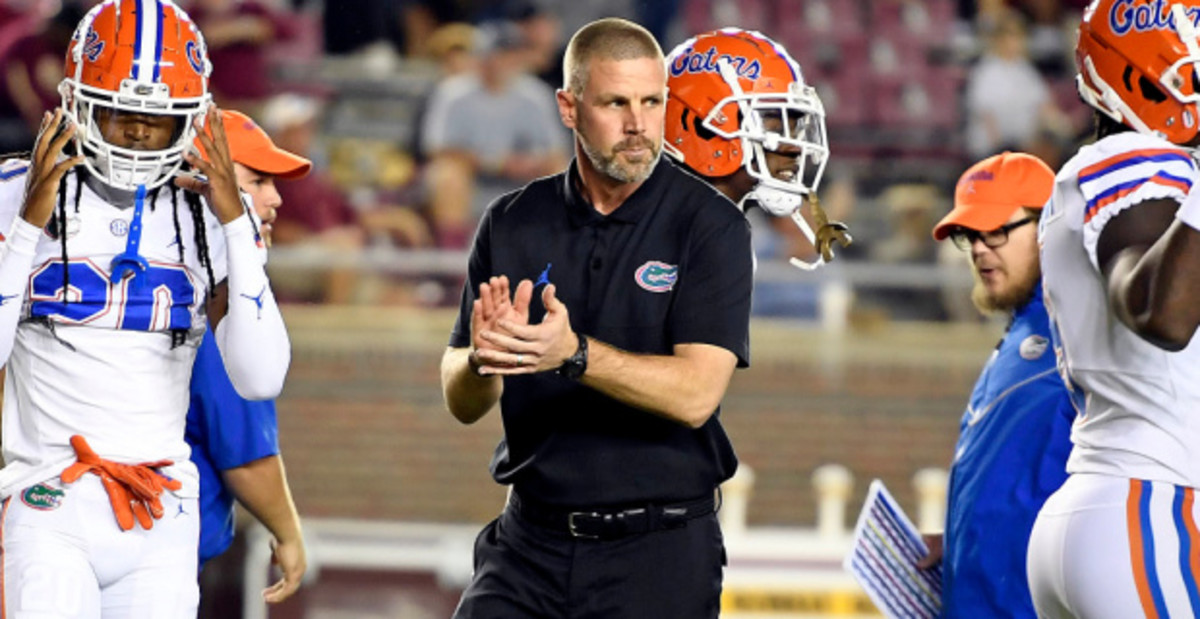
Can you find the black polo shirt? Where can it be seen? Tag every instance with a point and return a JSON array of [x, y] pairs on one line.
[[672, 265]]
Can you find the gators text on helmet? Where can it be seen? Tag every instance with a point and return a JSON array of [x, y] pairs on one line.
[[1138, 65]]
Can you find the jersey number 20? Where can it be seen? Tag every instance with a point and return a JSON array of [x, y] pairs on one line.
[[161, 302]]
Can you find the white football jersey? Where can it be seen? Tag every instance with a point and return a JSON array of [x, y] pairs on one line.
[[1139, 403], [104, 364]]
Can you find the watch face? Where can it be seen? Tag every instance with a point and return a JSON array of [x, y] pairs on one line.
[[575, 365], [571, 368]]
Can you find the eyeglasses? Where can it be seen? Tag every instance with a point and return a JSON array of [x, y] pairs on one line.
[[964, 238]]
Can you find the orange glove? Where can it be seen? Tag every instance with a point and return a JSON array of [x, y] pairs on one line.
[[133, 489]]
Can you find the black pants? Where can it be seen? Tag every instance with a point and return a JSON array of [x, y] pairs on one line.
[[523, 570]]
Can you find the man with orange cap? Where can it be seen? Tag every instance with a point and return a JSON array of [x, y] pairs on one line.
[[234, 441], [1015, 436]]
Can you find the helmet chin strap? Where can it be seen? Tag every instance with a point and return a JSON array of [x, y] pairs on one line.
[[130, 261], [776, 201], [802, 223]]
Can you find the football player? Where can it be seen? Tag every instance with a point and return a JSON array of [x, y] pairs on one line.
[[1120, 245], [113, 265], [740, 115]]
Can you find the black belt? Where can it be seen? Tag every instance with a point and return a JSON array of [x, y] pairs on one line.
[[611, 523]]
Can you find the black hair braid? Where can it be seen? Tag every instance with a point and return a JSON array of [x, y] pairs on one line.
[[201, 237], [61, 227], [254, 225], [175, 220], [78, 191]]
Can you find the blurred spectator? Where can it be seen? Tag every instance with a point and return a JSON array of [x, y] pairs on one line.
[[1052, 24], [404, 25], [544, 40], [1049, 47], [450, 46], [320, 217], [912, 209], [1008, 102], [350, 25], [486, 133], [543, 23], [32, 65], [238, 34]]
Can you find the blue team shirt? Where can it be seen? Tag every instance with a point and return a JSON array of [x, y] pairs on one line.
[[1010, 457], [225, 431]]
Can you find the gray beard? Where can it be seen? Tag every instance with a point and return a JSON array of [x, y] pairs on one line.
[[612, 169]]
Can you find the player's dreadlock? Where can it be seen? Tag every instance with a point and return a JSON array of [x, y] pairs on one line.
[[200, 234], [58, 223], [175, 220]]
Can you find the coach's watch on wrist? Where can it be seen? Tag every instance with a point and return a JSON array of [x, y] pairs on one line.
[[574, 366]]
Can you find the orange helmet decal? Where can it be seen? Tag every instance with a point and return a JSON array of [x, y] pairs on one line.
[[140, 57], [1138, 64], [733, 95]]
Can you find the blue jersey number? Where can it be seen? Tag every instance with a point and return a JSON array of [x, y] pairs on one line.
[[162, 301]]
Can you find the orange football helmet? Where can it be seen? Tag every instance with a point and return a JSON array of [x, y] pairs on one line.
[[140, 57], [1138, 63], [732, 95]]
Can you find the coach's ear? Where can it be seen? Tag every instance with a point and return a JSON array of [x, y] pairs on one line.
[[568, 107]]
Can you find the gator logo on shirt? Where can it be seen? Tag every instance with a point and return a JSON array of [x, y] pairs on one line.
[[656, 276], [42, 497], [1033, 347]]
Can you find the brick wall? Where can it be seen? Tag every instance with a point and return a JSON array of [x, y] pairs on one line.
[[365, 435]]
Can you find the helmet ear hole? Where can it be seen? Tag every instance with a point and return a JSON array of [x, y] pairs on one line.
[[1150, 91], [702, 132]]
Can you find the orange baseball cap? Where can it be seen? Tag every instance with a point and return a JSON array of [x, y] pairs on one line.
[[250, 146], [990, 191]]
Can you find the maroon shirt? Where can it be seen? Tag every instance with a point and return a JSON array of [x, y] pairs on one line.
[[29, 50], [241, 70], [315, 203]]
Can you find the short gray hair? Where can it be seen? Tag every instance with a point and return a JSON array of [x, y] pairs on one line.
[[611, 38]]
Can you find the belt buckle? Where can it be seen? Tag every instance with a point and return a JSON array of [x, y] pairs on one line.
[[571, 527]]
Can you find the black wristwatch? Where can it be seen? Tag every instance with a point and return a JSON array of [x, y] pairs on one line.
[[574, 366]]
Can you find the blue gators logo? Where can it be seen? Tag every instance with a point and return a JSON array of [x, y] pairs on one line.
[[691, 61], [43, 497], [1125, 16], [657, 276], [93, 46]]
